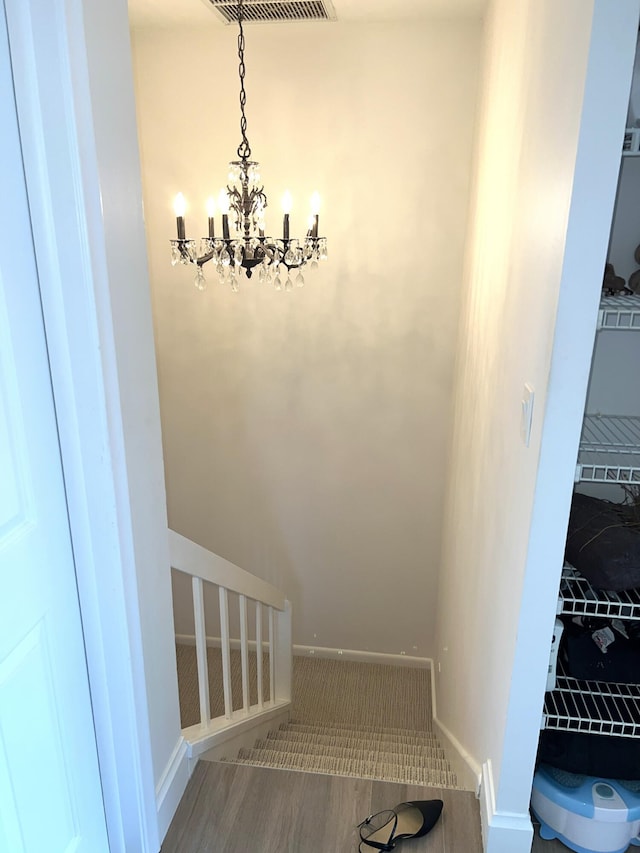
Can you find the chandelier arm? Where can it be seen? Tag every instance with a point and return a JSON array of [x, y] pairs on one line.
[[244, 149]]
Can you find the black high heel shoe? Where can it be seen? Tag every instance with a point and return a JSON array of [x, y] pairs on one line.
[[384, 829]]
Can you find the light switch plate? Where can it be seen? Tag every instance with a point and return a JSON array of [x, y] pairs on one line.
[[527, 413]]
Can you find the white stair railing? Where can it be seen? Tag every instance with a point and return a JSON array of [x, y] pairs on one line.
[[204, 567]]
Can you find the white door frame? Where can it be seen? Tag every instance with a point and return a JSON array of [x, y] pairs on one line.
[[53, 91], [46, 722]]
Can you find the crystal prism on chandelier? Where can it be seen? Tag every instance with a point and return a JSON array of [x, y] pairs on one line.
[[279, 260]]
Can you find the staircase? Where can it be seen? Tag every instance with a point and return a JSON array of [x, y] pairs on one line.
[[338, 717], [363, 720], [367, 752]]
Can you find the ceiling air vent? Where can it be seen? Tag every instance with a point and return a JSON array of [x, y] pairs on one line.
[[274, 11]]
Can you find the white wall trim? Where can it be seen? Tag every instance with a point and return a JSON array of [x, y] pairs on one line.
[[55, 112], [246, 737], [357, 655], [361, 656], [244, 731], [215, 642], [172, 784], [487, 799], [464, 765], [502, 832], [194, 560]]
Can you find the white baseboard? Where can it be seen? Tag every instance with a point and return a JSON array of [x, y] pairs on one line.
[[216, 642], [220, 731], [212, 642], [229, 746], [323, 652], [502, 832], [462, 762], [361, 656], [171, 786]]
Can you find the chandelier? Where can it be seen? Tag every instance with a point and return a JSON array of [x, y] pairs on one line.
[[243, 245]]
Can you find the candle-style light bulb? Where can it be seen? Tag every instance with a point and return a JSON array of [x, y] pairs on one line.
[[179, 207], [223, 201], [315, 210], [211, 209], [287, 204], [223, 204]]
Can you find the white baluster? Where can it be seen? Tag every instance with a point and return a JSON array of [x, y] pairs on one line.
[[259, 653], [201, 650], [272, 659], [244, 651], [226, 652]]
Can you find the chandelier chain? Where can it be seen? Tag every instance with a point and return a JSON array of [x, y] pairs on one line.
[[244, 149]]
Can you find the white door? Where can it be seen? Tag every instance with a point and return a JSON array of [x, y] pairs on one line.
[[50, 793]]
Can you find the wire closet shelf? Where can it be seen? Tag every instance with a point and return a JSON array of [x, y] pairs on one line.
[[592, 707], [620, 313], [578, 598], [609, 450]]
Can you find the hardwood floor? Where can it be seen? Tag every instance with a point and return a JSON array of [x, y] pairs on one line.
[[540, 845], [229, 808]]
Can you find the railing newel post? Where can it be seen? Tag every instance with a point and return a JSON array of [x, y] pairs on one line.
[[283, 662]]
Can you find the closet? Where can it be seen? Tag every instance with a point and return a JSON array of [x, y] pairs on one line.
[[608, 469]]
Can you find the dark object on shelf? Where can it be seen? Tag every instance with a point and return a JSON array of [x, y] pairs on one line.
[[620, 664], [603, 542], [592, 755], [634, 282], [613, 283]]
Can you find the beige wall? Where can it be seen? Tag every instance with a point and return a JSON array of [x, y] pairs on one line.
[[305, 434], [553, 107]]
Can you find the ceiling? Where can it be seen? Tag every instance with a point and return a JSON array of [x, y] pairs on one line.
[[170, 13]]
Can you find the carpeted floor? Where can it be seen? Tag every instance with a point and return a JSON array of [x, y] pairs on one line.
[[393, 755], [347, 719], [325, 691], [361, 694], [188, 682]]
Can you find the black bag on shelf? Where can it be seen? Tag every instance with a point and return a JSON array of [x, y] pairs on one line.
[[602, 544], [620, 664], [591, 755]]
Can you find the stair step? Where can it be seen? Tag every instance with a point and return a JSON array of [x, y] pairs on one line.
[[404, 773], [304, 740], [339, 730], [417, 757], [350, 727]]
